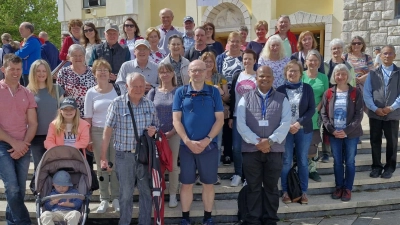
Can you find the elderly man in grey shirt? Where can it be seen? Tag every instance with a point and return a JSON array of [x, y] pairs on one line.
[[141, 64], [166, 29]]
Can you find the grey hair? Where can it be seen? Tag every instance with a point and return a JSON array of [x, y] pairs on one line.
[[75, 47], [335, 42], [29, 26], [314, 52], [243, 28], [341, 67], [131, 76], [390, 47]]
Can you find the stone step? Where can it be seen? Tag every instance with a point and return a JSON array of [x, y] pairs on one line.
[[224, 191], [226, 210]]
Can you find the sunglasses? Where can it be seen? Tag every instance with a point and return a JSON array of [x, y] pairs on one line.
[[356, 43], [88, 30], [129, 25], [208, 28]]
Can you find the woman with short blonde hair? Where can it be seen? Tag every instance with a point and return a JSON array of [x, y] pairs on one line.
[[153, 37], [306, 43], [261, 29]]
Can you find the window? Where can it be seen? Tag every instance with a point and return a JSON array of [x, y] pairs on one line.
[[397, 9], [93, 3]]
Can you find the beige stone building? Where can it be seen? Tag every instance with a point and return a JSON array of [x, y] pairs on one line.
[[378, 21]]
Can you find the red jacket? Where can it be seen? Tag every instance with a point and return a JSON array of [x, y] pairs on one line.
[[292, 40], [64, 48]]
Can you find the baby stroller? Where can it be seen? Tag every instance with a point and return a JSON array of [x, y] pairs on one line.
[[71, 160]]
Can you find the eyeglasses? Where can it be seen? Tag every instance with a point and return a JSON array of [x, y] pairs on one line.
[[164, 72], [102, 70], [387, 53], [129, 25], [356, 43], [208, 28], [88, 30], [197, 70]]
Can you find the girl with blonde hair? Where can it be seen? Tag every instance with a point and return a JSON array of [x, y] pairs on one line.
[[68, 128]]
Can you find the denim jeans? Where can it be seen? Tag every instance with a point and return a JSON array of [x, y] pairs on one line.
[[129, 175], [14, 174], [237, 149], [344, 178], [302, 142], [37, 149]]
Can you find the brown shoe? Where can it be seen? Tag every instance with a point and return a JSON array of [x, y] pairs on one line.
[[304, 199], [337, 194], [285, 198], [346, 196]]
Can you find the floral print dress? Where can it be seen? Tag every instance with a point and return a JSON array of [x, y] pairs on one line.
[[277, 67]]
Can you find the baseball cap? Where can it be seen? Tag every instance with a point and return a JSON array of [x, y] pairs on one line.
[[68, 102], [110, 26], [62, 178], [377, 48], [142, 42], [188, 18]]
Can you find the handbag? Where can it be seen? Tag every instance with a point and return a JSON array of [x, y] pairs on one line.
[[142, 151]]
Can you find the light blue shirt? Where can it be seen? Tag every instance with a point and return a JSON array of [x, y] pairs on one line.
[[188, 42], [367, 92], [249, 136]]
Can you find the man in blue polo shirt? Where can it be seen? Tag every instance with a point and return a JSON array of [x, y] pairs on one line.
[[198, 118]]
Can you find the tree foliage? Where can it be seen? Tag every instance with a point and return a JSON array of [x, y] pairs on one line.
[[41, 13]]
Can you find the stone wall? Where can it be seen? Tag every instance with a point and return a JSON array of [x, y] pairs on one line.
[[374, 21]]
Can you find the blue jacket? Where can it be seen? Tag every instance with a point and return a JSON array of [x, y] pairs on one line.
[[29, 53], [77, 202], [49, 52], [306, 106]]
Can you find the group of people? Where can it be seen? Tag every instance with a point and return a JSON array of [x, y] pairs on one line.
[[266, 103]]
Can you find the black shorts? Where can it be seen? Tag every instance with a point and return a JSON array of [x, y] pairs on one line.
[[206, 163]]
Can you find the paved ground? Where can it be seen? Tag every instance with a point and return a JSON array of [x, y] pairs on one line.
[[380, 218]]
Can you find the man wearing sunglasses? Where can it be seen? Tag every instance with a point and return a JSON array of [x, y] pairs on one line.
[[111, 50]]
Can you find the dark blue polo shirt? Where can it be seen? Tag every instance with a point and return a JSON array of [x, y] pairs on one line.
[[198, 110]]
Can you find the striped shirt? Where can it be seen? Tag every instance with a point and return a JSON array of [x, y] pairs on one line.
[[119, 118]]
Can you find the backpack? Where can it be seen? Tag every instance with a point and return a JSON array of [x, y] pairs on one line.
[[293, 184], [185, 95], [329, 97], [242, 204]]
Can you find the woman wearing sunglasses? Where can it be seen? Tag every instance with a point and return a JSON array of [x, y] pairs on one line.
[[361, 62], [132, 33], [89, 39]]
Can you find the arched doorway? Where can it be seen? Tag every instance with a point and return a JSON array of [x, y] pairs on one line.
[[227, 16]]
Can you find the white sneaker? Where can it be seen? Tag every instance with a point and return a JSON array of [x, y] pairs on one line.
[[115, 204], [173, 202], [218, 181], [244, 183], [236, 180], [102, 207]]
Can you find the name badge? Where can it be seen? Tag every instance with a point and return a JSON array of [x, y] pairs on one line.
[[263, 123]]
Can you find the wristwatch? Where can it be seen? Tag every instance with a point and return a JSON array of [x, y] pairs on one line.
[[209, 138], [270, 141]]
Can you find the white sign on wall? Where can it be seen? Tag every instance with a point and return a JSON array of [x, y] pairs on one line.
[[207, 2]]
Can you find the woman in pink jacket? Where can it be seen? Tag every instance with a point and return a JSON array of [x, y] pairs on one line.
[[68, 128]]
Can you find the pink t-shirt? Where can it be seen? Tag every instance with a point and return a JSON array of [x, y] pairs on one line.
[[13, 110]]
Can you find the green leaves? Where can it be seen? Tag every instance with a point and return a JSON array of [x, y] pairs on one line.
[[41, 13]]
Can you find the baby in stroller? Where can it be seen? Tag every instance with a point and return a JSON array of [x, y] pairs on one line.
[[62, 209]]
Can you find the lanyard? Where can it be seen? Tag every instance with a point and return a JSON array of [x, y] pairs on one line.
[[386, 74], [264, 103]]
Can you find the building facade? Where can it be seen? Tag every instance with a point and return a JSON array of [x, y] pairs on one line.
[[377, 21]]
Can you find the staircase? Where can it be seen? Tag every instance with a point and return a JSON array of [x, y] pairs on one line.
[[369, 195]]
